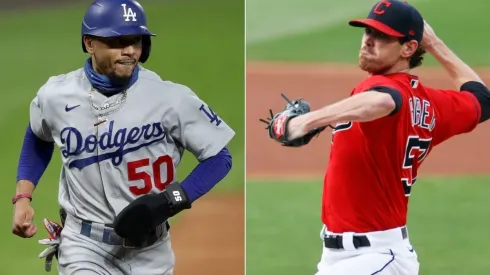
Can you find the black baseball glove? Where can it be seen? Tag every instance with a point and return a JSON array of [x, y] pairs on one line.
[[148, 211], [277, 124]]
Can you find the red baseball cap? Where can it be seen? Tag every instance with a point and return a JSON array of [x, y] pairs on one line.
[[394, 18]]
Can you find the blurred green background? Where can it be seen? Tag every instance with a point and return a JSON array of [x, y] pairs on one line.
[[318, 30], [449, 217], [199, 44]]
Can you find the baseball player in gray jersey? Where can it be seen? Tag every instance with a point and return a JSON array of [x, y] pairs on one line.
[[122, 132]]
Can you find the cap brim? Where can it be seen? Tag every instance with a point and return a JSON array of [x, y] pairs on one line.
[[375, 25], [119, 31]]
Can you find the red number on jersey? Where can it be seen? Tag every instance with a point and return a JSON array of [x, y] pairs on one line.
[[134, 175], [416, 148]]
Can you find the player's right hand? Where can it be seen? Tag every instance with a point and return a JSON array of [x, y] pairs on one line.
[[430, 38], [23, 217]]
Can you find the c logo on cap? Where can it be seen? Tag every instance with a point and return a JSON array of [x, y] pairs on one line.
[[380, 8]]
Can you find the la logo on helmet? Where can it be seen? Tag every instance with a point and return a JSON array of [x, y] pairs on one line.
[[128, 12]]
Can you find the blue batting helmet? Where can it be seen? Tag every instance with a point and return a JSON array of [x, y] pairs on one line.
[[110, 18]]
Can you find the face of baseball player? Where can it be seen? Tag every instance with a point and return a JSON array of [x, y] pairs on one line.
[[115, 57], [381, 53]]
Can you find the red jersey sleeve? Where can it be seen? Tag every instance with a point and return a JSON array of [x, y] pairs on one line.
[[456, 113], [367, 85]]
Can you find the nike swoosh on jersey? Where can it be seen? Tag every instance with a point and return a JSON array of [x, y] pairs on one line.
[[70, 108]]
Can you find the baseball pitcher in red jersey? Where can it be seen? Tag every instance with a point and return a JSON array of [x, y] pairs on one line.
[[383, 132]]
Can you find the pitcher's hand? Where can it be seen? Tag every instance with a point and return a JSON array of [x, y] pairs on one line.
[[430, 38]]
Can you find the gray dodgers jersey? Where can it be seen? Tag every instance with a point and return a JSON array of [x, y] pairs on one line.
[[134, 152]]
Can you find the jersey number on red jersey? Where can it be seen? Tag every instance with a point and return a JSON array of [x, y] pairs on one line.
[[416, 148]]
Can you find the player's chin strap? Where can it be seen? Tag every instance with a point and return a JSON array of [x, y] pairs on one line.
[[54, 231]]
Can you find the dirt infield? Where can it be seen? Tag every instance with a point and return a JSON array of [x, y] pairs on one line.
[[325, 83], [209, 239]]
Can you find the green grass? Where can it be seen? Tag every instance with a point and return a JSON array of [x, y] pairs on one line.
[[448, 224], [190, 48], [283, 227], [336, 41]]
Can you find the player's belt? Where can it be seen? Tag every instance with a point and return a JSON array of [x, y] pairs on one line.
[[105, 233], [337, 241]]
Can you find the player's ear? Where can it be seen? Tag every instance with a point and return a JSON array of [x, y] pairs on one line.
[[409, 48], [89, 44]]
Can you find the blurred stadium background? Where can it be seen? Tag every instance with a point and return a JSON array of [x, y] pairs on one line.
[[199, 44], [306, 49]]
